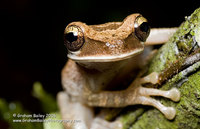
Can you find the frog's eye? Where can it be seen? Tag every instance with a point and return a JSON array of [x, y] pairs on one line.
[[142, 28], [73, 38]]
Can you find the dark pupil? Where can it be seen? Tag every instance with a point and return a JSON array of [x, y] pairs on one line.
[[70, 37], [144, 27]]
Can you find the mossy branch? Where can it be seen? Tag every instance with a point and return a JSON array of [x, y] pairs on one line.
[[182, 46]]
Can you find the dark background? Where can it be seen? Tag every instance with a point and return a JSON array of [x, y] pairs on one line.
[[31, 37]]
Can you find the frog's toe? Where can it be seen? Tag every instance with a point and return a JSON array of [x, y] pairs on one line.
[[169, 112], [174, 94], [151, 78]]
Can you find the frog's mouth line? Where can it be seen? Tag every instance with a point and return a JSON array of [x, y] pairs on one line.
[[105, 58]]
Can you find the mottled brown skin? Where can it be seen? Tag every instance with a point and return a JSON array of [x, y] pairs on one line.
[[109, 54], [119, 36]]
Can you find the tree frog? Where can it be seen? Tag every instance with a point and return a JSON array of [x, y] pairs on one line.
[[101, 58]]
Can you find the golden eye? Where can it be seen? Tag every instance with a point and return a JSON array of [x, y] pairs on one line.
[[73, 38], [142, 28]]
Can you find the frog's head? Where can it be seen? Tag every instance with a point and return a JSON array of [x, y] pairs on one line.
[[107, 42]]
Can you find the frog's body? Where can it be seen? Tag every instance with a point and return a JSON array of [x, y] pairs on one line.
[[101, 57]]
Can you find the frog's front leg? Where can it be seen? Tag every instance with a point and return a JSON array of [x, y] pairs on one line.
[[160, 35], [79, 116], [136, 94], [75, 115]]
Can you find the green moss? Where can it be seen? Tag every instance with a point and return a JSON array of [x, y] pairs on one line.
[[197, 33], [130, 117], [179, 45]]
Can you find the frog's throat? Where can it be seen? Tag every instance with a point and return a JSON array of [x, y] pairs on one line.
[[105, 58]]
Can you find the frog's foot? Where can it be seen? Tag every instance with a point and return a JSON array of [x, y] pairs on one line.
[[169, 112], [144, 94], [99, 123], [144, 98], [75, 115]]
